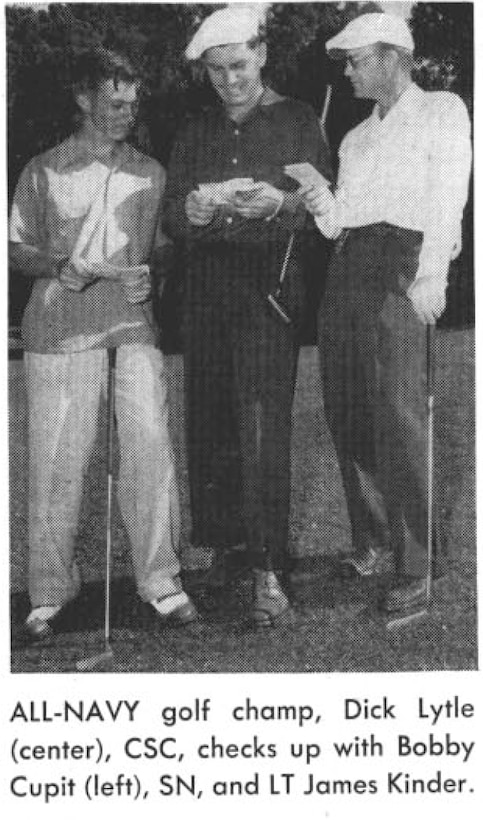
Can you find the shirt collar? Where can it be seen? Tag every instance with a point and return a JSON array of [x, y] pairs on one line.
[[263, 106], [407, 104], [269, 97], [78, 150]]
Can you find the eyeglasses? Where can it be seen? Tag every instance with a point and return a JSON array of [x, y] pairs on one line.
[[356, 62]]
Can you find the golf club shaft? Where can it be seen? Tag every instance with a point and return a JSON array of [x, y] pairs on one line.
[[286, 259], [430, 462], [111, 378], [325, 110], [107, 608]]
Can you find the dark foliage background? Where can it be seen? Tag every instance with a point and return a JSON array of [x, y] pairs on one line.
[[42, 43]]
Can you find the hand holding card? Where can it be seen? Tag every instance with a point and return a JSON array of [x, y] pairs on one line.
[[262, 201], [305, 174], [314, 188], [223, 193], [106, 270]]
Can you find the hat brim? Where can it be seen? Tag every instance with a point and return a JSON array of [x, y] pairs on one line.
[[340, 53], [337, 53]]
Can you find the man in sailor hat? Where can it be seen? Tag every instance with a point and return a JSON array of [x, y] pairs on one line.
[[229, 201], [396, 215]]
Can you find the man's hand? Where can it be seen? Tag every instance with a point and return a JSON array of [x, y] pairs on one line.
[[428, 296], [199, 210], [317, 199], [135, 280], [457, 247], [76, 276], [261, 202], [137, 285], [117, 273]]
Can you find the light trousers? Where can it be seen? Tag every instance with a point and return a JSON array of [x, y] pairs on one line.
[[64, 396]]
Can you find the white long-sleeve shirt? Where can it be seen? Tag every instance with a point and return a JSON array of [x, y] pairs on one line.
[[410, 169]]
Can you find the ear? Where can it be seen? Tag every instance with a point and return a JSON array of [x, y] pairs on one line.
[[84, 101], [262, 54], [391, 58]]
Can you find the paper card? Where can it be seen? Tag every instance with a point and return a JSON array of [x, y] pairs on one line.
[[223, 193], [109, 271], [305, 174]]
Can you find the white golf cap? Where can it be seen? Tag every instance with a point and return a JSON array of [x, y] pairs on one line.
[[369, 29], [224, 27]]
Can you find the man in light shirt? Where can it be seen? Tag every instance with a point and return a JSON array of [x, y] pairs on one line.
[[85, 226], [396, 215]]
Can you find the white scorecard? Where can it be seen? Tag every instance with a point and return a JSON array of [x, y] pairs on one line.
[[223, 193], [305, 174], [128, 272]]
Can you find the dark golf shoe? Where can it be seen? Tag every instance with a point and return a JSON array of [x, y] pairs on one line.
[[270, 604], [38, 628], [228, 567], [38, 631], [368, 564], [175, 609]]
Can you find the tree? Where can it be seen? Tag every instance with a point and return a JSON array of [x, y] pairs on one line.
[[42, 44]]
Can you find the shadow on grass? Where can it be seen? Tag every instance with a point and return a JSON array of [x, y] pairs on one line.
[[140, 643], [336, 627]]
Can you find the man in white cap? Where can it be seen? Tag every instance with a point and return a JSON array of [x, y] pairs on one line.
[[84, 225], [396, 214], [237, 240]]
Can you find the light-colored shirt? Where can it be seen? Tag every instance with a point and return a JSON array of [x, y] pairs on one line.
[[72, 204], [410, 169]]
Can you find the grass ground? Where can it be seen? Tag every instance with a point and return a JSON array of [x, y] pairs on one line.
[[337, 627]]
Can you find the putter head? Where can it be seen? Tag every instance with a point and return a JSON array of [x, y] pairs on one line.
[[101, 659], [406, 619]]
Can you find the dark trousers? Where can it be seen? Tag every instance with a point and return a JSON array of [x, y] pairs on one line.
[[373, 357], [240, 369]]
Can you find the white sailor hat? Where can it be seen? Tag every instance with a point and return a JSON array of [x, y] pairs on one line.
[[369, 29], [224, 27]]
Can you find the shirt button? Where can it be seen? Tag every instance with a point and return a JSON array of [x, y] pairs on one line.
[[235, 161], [229, 220]]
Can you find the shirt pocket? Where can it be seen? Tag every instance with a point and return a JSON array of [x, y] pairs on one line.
[[71, 194]]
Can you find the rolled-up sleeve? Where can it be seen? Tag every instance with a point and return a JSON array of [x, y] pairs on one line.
[[26, 223]]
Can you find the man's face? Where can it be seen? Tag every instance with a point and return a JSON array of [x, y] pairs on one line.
[[235, 72], [365, 68], [111, 110]]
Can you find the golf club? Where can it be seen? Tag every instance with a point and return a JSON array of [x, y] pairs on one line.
[[325, 110], [419, 614], [88, 664], [275, 298]]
